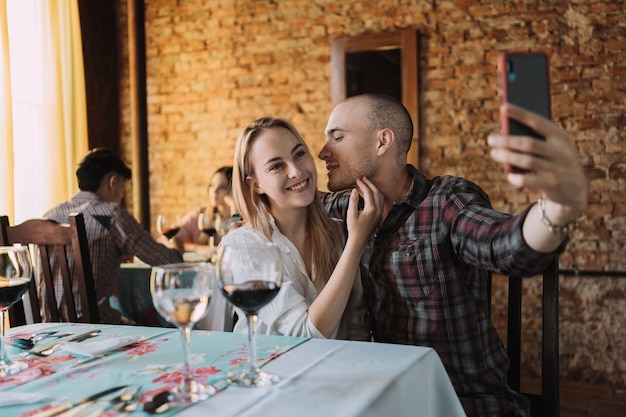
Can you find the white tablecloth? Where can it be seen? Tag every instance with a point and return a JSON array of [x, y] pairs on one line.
[[321, 378], [331, 378]]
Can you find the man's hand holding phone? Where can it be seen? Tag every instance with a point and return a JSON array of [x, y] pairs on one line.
[[536, 153], [524, 80], [551, 166]]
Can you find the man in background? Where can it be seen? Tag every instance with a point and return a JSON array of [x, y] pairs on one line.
[[113, 233]]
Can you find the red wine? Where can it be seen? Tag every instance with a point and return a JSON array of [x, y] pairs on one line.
[[210, 232], [250, 296], [12, 290], [171, 232]]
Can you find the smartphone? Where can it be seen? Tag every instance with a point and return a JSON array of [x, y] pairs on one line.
[[523, 79]]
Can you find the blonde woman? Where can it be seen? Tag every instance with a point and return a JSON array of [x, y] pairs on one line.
[[275, 190]]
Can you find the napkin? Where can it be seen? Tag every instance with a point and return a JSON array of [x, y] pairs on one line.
[[195, 257], [15, 398], [98, 347]]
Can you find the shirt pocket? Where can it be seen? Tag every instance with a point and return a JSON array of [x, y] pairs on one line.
[[412, 266]]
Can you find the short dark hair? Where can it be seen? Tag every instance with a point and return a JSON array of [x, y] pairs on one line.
[[388, 112], [96, 165]]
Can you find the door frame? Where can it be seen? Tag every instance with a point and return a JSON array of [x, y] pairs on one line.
[[407, 41]]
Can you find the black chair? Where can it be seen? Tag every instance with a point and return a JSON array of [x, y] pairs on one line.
[[545, 404], [63, 249]]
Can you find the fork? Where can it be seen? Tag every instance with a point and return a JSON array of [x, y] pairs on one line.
[[48, 350]]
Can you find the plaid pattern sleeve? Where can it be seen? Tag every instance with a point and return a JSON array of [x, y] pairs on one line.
[[112, 233], [425, 282]]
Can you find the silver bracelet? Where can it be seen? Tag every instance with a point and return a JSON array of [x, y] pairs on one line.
[[560, 230]]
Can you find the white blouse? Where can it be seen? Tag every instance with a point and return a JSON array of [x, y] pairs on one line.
[[287, 313]]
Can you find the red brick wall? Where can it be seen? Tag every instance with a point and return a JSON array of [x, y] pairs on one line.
[[214, 66]]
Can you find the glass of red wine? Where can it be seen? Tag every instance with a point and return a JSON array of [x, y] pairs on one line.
[[249, 276], [166, 227], [15, 274], [207, 224]]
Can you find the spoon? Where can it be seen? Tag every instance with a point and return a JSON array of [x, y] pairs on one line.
[[165, 400], [160, 403], [130, 402], [125, 402]]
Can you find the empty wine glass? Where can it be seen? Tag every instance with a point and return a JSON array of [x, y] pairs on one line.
[[15, 274], [167, 227], [181, 293], [250, 276]]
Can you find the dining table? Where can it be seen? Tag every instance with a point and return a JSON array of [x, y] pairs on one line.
[[318, 377], [132, 298]]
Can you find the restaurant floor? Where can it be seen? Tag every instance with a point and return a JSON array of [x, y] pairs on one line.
[[580, 399]]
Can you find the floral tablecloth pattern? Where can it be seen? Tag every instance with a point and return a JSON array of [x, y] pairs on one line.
[[155, 363]]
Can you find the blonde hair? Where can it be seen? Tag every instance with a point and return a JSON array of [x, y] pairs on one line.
[[327, 238]]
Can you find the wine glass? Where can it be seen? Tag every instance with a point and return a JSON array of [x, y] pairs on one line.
[[249, 276], [167, 227], [181, 293], [207, 224], [213, 225], [15, 274]]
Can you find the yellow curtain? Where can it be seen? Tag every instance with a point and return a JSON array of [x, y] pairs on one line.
[[6, 122], [49, 134]]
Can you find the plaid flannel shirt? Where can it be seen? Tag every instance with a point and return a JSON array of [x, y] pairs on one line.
[[425, 278], [113, 233]]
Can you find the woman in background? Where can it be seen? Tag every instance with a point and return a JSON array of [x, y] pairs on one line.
[[218, 215]]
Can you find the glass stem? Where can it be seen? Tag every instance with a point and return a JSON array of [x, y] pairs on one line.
[[4, 357], [187, 371], [252, 321]]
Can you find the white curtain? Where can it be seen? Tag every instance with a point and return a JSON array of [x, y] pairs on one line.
[[43, 123]]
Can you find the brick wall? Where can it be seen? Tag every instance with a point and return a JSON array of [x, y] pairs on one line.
[[214, 66]]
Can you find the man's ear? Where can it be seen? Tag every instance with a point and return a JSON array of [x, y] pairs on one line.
[[252, 182], [113, 180], [385, 139]]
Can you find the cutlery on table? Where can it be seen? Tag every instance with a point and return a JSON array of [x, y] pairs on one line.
[[166, 400], [87, 400], [29, 342], [126, 401], [46, 350], [84, 336]]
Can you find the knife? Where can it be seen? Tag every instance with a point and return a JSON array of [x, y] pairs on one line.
[[63, 408], [78, 338], [84, 336]]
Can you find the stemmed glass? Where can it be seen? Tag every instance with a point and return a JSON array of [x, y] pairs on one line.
[[214, 226], [166, 227], [208, 224], [15, 274], [181, 293], [249, 276]]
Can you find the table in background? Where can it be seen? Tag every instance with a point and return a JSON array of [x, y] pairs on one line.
[[318, 377], [133, 297], [134, 301]]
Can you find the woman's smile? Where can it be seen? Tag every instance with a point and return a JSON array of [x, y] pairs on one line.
[[299, 186]]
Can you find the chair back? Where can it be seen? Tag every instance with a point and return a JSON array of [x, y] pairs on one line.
[[64, 250], [545, 404]]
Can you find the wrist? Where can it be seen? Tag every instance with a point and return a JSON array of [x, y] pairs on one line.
[[557, 218]]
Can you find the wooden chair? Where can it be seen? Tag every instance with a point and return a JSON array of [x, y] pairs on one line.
[[545, 404], [57, 244]]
